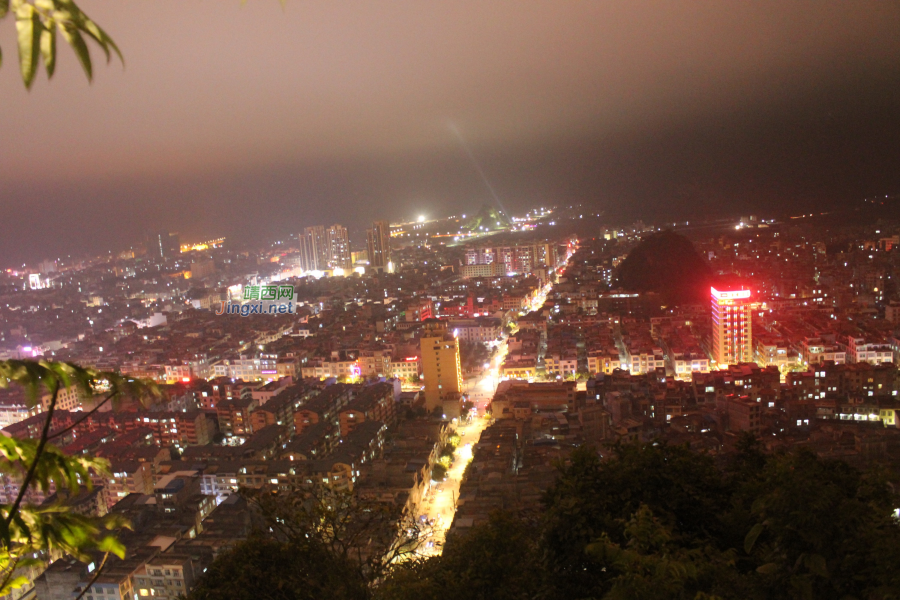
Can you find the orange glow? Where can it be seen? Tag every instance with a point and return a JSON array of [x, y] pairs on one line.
[[216, 243]]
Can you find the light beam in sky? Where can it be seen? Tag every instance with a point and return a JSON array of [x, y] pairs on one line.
[[477, 165]]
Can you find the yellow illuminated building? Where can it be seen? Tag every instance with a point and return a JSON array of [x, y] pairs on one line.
[[732, 335], [441, 368], [216, 243]]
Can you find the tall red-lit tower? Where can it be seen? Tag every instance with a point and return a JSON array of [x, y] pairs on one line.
[[732, 335]]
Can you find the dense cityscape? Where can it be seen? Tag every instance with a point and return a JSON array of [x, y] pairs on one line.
[[444, 367], [518, 300]]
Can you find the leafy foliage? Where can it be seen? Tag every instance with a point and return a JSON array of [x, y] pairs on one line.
[[650, 521], [450, 447], [37, 25], [593, 498], [53, 468], [37, 376], [354, 539], [497, 561], [650, 563], [262, 567], [473, 355], [27, 530], [314, 541], [438, 472], [821, 529], [656, 521]]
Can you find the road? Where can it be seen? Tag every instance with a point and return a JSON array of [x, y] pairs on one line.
[[439, 504]]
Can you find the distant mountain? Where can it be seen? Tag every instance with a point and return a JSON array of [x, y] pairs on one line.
[[666, 263]]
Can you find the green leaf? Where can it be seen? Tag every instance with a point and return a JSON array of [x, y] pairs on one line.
[[81, 50], [4, 8], [112, 545], [751, 538], [29, 27], [48, 47], [768, 569], [15, 583], [101, 37]]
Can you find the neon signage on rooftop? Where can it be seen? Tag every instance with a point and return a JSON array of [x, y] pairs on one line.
[[734, 295]]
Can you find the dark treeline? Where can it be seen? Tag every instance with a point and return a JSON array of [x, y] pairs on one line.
[[651, 521]]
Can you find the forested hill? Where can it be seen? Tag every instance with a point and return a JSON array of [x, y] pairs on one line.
[[666, 263]]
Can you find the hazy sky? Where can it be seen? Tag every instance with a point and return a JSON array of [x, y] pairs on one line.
[[251, 120]]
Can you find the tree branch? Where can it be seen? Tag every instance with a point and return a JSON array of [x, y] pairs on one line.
[[94, 578], [87, 415], [37, 456]]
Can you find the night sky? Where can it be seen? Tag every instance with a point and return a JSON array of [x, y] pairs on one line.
[[253, 120]]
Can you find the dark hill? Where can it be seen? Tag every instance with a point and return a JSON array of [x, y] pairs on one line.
[[668, 264], [489, 217]]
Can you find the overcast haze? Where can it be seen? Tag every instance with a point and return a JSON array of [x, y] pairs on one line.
[[253, 121]]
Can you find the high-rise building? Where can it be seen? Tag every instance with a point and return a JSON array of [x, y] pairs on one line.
[[164, 245], [524, 257], [325, 248], [338, 247], [307, 253], [732, 336], [378, 241], [441, 367], [314, 249]]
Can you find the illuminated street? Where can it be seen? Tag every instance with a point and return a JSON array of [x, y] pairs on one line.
[[439, 505], [440, 502]]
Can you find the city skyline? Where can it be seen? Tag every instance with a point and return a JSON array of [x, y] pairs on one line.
[[642, 109], [488, 349]]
